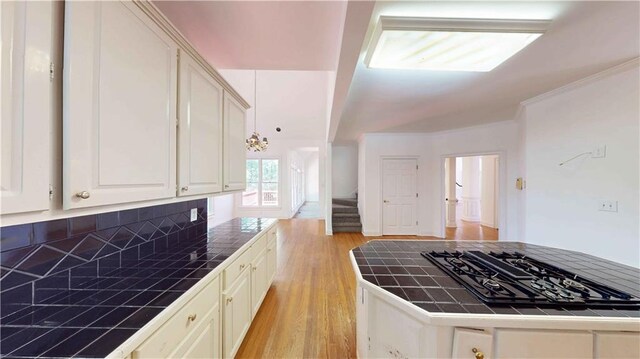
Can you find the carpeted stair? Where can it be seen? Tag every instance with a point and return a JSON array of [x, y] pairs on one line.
[[345, 217]]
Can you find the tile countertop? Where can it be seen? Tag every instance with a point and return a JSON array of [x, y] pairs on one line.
[[399, 268], [92, 321]]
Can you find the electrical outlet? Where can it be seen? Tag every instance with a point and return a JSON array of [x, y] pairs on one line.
[[194, 214], [608, 206], [599, 152]]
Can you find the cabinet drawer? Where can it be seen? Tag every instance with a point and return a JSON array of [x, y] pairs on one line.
[[233, 270], [165, 340], [259, 246], [272, 235]]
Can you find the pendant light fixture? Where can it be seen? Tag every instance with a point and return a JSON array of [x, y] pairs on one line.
[[254, 143]]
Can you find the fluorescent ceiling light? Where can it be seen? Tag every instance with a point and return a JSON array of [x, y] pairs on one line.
[[448, 44]]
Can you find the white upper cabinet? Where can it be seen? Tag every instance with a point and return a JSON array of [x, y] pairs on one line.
[[26, 105], [200, 130], [235, 152], [119, 106]]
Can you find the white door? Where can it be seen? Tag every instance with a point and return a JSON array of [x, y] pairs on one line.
[[119, 106], [200, 130], [235, 152], [26, 106], [399, 196], [237, 314], [259, 281]]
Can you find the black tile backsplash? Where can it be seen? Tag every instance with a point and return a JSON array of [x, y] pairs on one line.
[[98, 313], [38, 260]]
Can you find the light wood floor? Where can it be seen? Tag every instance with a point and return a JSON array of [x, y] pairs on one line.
[[309, 312], [471, 231]]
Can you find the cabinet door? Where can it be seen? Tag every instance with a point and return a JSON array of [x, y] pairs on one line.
[[259, 281], [26, 105], [119, 106], [200, 130], [392, 333], [235, 151], [237, 314], [617, 345], [272, 261], [205, 342], [514, 343], [468, 342]]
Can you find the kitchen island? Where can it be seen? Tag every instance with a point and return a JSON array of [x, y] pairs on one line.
[[408, 306]]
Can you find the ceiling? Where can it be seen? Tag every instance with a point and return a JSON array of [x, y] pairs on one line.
[[584, 38], [267, 35]]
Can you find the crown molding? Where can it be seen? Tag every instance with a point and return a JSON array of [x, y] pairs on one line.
[[161, 20], [438, 133], [635, 62]]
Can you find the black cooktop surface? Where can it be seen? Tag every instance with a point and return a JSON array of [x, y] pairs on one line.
[[513, 278]]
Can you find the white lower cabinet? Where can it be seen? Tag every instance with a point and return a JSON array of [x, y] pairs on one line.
[[272, 260], [214, 322], [184, 330], [386, 327], [237, 313], [259, 281]]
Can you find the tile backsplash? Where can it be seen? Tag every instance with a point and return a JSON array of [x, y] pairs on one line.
[[38, 260]]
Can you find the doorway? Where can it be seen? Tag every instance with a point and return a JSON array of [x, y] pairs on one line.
[[399, 196], [305, 183], [471, 197]]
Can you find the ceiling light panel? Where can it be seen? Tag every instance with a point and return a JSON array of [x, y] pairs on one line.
[[449, 44]]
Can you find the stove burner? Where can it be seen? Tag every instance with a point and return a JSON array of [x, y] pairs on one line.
[[572, 284], [515, 279], [491, 284]]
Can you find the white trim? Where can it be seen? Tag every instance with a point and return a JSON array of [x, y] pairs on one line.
[[584, 81], [438, 133], [502, 188]]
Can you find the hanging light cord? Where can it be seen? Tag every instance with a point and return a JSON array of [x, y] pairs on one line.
[[255, 99]]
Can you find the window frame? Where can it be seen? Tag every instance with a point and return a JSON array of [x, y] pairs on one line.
[[261, 182]]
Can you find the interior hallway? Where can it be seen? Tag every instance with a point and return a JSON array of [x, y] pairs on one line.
[[309, 210], [471, 231]]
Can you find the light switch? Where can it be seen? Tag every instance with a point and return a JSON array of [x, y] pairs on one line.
[[194, 214], [599, 152], [608, 206]]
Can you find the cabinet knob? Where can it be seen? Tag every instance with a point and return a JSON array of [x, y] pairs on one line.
[[226, 186], [83, 194], [230, 299], [385, 201], [255, 269], [241, 266], [185, 188], [478, 354], [192, 317]]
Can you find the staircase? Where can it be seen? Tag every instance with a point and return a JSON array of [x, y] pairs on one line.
[[345, 217]]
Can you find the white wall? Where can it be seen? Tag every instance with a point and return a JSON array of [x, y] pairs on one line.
[[220, 209], [312, 177], [431, 150], [562, 202], [345, 177], [489, 191], [297, 102]]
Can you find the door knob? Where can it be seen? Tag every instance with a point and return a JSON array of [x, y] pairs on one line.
[[83, 194], [478, 354], [385, 201]]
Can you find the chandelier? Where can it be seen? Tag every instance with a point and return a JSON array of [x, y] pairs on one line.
[[254, 143]]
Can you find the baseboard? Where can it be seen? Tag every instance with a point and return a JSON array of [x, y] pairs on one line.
[[371, 234]]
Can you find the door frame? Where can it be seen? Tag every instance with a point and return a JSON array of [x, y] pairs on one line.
[[502, 188], [381, 192]]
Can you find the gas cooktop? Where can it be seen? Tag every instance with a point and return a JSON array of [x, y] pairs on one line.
[[512, 278]]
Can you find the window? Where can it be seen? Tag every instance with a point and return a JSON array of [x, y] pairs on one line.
[[262, 183]]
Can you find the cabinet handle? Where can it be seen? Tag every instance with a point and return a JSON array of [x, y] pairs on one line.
[[268, 249], [255, 269], [241, 266], [83, 194], [192, 317], [478, 354], [226, 186], [185, 188], [230, 299]]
